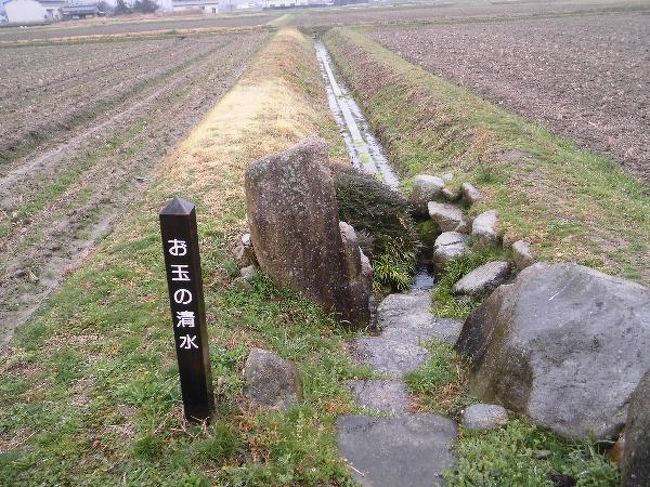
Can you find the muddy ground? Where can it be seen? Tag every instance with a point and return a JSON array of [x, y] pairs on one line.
[[63, 194], [586, 77], [112, 26]]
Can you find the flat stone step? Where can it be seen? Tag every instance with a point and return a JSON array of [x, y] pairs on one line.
[[389, 396], [388, 356], [411, 450], [408, 317]]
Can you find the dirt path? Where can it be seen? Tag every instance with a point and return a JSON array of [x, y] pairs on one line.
[[58, 201]]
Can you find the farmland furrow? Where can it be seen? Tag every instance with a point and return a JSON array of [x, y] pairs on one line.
[[60, 230], [14, 62], [84, 68], [51, 114]]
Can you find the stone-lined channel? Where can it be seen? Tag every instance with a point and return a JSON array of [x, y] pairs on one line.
[[398, 447]]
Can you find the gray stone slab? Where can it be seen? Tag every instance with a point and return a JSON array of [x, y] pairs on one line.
[[412, 450], [389, 396], [391, 357], [408, 318]]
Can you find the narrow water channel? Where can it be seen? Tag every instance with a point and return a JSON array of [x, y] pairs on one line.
[[365, 150]]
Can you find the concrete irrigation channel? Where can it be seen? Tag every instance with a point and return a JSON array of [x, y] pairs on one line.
[[399, 448]]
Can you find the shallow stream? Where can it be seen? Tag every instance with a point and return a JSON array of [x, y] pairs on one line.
[[366, 152]]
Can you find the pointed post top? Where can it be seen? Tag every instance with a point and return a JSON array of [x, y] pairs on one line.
[[177, 206]]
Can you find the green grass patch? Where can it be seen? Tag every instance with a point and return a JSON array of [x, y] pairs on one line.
[[382, 219], [440, 384], [511, 456]]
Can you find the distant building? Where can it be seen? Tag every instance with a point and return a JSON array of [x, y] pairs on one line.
[[33, 11], [78, 10], [204, 6], [296, 3]]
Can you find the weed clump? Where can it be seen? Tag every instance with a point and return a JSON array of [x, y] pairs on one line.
[[382, 219]]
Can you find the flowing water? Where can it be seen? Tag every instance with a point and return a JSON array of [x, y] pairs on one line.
[[365, 151]]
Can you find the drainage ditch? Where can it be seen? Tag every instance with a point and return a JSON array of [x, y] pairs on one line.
[[366, 152]]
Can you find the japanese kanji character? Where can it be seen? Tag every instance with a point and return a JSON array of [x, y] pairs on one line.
[[180, 272], [188, 342], [185, 318]]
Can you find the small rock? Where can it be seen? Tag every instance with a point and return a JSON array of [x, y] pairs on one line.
[[140, 179], [522, 254], [388, 356], [485, 228], [542, 454], [446, 216], [243, 252], [271, 381], [561, 480], [483, 280], [407, 317], [483, 417], [447, 176], [425, 188], [617, 452], [448, 246], [248, 272], [471, 195], [451, 195]]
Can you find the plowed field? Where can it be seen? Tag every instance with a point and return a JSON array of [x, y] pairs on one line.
[[81, 126], [103, 27], [586, 77]]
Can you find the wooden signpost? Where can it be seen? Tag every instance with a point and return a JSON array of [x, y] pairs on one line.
[[183, 264]]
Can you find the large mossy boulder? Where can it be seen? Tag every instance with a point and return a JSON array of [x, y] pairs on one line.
[[293, 216], [564, 344], [636, 456]]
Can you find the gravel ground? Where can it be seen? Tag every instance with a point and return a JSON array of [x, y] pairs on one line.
[[64, 193], [586, 77]]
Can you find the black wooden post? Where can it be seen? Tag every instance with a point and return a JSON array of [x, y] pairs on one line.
[[183, 264]]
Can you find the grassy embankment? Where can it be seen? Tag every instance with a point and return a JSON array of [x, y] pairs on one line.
[[571, 204], [89, 387], [555, 196]]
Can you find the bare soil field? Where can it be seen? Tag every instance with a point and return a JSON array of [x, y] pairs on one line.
[[448, 12], [91, 121], [111, 26], [586, 77]]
